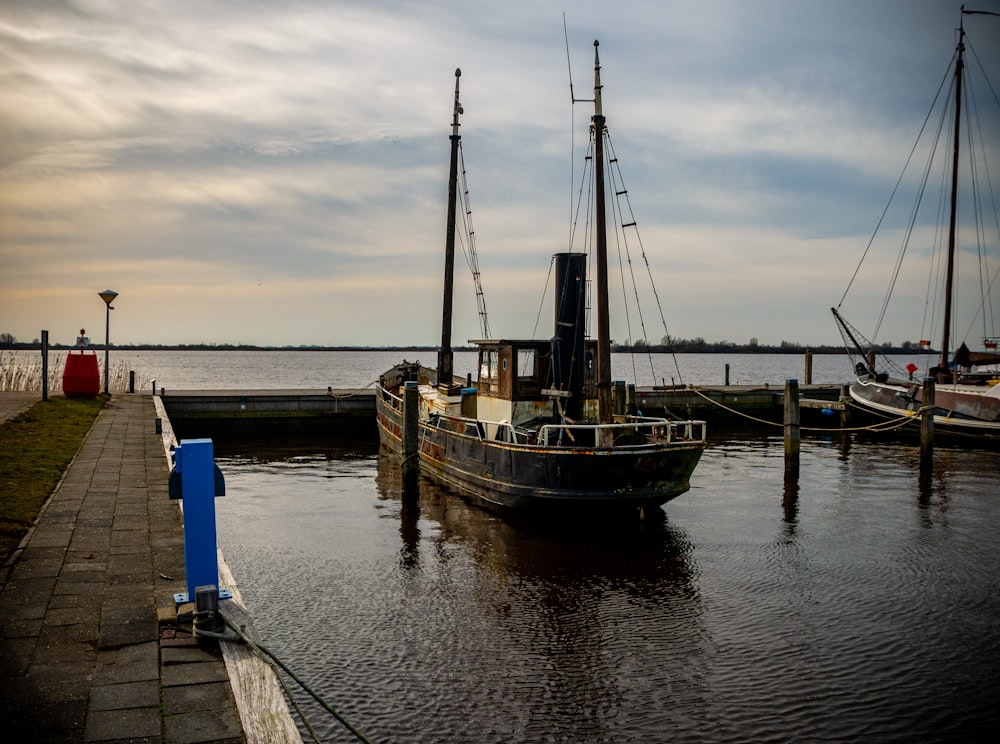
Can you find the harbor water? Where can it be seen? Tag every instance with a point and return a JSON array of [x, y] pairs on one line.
[[857, 601]]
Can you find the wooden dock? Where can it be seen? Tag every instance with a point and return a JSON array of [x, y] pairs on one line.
[[352, 412]]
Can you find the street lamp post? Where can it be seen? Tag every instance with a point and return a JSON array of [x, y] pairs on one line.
[[108, 296]]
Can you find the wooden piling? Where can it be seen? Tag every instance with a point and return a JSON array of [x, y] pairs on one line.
[[792, 428], [411, 430], [45, 365], [619, 393], [845, 411], [808, 377], [727, 375], [927, 423]]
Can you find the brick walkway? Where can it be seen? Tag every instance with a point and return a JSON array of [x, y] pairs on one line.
[[90, 648]]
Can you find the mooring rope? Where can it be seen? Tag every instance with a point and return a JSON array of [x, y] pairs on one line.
[[696, 391], [242, 637], [889, 425], [352, 392]]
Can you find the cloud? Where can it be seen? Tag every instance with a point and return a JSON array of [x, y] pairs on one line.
[[276, 174]]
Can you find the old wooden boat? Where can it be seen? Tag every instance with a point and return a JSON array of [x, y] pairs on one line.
[[966, 391], [537, 430]]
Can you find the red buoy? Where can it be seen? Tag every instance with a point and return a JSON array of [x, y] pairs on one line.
[[81, 378]]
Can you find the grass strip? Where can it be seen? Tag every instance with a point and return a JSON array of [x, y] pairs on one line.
[[36, 447]]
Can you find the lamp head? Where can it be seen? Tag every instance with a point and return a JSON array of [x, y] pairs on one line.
[[108, 296]]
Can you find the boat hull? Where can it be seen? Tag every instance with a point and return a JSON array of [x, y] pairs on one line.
[[535, 478], [963, 416]]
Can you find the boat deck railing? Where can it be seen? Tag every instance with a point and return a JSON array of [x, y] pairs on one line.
[[662, 429]]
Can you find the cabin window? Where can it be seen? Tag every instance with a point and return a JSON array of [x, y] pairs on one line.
[[527, 365], [488, 370]]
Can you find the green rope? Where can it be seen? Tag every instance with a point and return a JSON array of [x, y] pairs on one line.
[[241, 636], [890, 425]]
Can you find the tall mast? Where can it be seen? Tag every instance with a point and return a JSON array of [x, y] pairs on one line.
[[445, 356], [604, 409], [950, 273]]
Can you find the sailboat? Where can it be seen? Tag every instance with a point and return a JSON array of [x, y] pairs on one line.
[[967, 383], [538, 431]]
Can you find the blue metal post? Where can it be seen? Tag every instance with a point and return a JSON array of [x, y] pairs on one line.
[[195, 464]]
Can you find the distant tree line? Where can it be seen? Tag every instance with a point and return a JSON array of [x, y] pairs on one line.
[[696, 345], [699, 345]]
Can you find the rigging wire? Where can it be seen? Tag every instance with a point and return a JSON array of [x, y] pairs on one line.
[[545, 289], [981, 203], [895, 188], [620, 207], [986, 307], [468, 242], [908, 233], [977, 144], [939, 242], [623, 192]]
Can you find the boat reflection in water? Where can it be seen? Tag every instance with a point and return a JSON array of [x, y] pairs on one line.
[[627, 553], [581, 621]]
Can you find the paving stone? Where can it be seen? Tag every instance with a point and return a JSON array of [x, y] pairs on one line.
[[203, 726], [128, 723], [30, 567], [133, 538], [121, 665], [59, 681], [74, 633], [46, 722], [25, 611], [27, 591], [61, 601], [70, 615], [193, 674], [125, 695], [16, 654], [135, 630], [189, 698], [190, 655], [20, 628], [63, 649]]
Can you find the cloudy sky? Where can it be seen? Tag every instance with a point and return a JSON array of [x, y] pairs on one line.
[[276, 173]]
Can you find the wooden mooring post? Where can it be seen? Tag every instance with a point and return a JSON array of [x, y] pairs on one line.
[[45, 365], [619, 391], [808, 379], [792, 428], [927, 424], [411, 432]]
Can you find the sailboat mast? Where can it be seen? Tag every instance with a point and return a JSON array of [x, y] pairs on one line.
[[445, 364], [950, 272], [604, 408]]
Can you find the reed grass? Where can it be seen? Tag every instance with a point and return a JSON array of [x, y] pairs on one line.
[[24, 373]]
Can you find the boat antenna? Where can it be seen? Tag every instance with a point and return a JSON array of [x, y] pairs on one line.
[[573, 100], [445, 355], [569, 67]]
